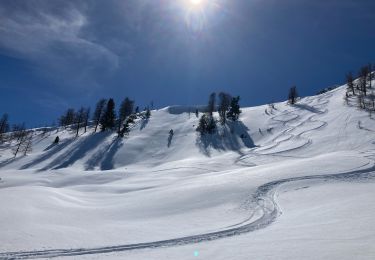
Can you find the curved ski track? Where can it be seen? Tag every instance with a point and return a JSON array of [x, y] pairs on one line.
[[263, 199]]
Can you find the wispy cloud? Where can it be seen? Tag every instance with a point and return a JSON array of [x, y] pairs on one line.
[[52, 37]]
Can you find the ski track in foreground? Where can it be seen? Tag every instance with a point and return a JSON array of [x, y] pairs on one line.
[[262, 199]]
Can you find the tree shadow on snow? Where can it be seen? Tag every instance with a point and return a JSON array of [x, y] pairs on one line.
[[80, 149], [104, 157], [144, 123], [9, 160], [232, 136], [108, 163], [308, 108], [52, 150]]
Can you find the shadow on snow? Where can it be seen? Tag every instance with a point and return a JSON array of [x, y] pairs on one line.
[[231, 136]]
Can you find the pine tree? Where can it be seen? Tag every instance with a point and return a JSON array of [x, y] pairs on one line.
[[211, 125], [293, 95], [234, 110], [224, 105], [206, 124], [202, 125], [211, 103], [126, 109], [98, 113], [148, 113], [109, 117]]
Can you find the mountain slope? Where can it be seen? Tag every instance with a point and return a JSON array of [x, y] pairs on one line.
[[295, 176]]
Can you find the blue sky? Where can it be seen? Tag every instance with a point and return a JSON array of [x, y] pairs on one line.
[[60, 54]]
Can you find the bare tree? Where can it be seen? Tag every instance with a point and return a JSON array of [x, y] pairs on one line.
[[370, 75], [349, 82], [86, 118], [27, 144], [17, 131], [68, 118], [4, 126], [362, 79], [22, 134], [79, 118]]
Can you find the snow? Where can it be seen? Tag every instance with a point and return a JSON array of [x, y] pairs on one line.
[[298, 184]]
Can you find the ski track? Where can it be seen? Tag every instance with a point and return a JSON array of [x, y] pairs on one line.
[[321, 102], [263, 199]]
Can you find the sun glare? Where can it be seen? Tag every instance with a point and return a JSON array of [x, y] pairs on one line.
[[196, 2]]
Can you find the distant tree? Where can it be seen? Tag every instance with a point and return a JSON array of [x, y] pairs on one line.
[[86, 118], [27, 144], [211, 125], [148, 113], [126, 126], [109, 117], [4, 126], [126, 109], [234, 110], [224, 105], [79, 119], [197, 112], [362, 79], [202, 125], [21, 141], [98, 113], [44, 130], [370, 75], [70, 116], [206, 125], [350, 82], [211, 103], [361, 101], [18, 131], [293, 95]]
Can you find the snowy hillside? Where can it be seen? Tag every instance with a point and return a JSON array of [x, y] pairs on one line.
[[293, 182]]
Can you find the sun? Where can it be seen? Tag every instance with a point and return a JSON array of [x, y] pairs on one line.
[[196, 2]]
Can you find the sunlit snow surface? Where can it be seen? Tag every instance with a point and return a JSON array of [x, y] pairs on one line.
[[299, 185]]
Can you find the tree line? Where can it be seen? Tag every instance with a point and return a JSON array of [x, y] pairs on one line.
[[104, 117], [362, 87]]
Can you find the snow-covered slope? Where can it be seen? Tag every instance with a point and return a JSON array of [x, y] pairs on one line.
[[293, 182]]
